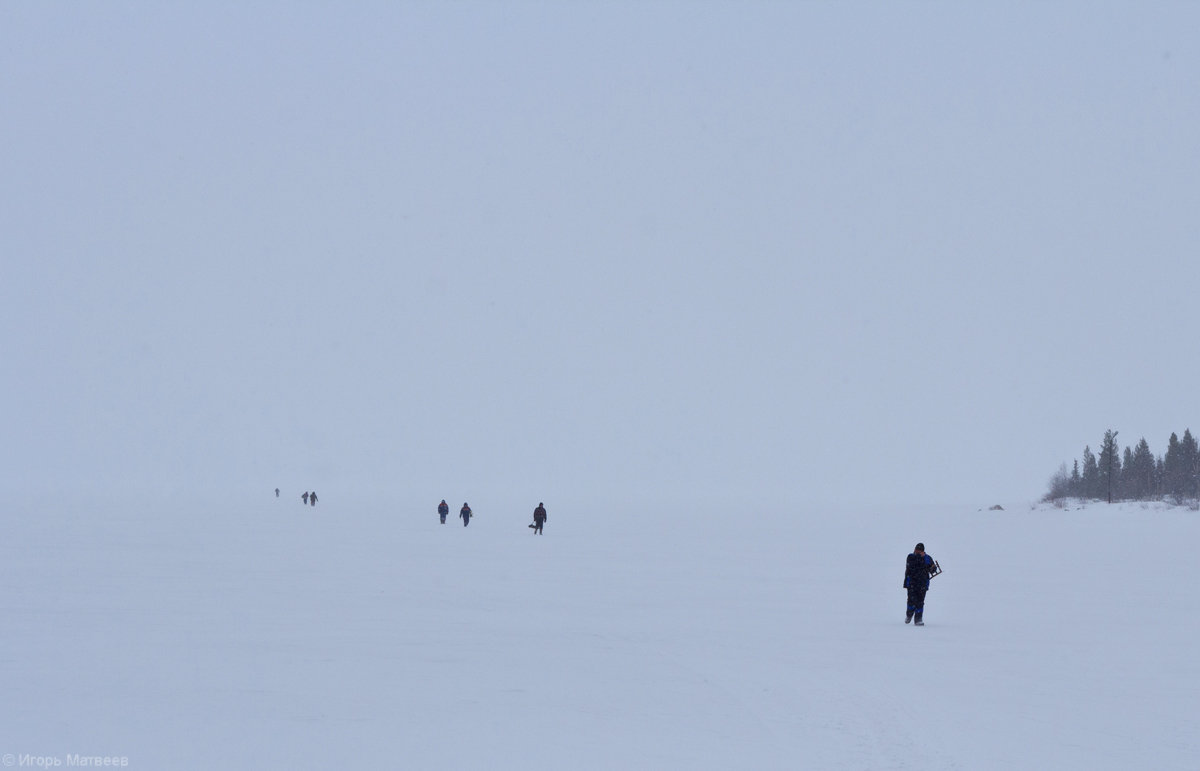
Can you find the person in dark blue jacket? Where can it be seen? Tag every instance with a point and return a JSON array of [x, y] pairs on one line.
[[443, 510], [466, 514], [917, 570]]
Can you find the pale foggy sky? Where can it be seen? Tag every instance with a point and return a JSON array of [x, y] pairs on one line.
[[755, 253]]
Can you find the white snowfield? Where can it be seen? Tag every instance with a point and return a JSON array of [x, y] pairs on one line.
[[364, 634]]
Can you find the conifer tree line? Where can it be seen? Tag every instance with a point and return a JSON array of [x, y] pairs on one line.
[[1133, 475]]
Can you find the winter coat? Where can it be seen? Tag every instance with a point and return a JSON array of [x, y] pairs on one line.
[[443, 509], [917, 569], [539, 514]]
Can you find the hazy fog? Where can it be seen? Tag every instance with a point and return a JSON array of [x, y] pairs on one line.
[[751, 253]]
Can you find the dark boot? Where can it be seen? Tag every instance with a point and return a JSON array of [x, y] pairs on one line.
[[908, 617], [918, 621]]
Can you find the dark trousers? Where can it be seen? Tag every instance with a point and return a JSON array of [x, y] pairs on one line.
[[466, 521], [916, 599], [537, 525]]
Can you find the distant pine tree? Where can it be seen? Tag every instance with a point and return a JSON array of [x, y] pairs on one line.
[[1173, 473], [1189, 464], [1090, 478], [1108, 467], [1125, 491], [1139, 473]]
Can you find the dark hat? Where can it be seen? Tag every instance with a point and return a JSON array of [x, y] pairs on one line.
[[919, 547]]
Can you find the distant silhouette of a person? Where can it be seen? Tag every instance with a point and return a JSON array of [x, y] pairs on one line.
[[466, 514], [305, 497], [443, 510], [276, 492], [312, 498], [539, 518]]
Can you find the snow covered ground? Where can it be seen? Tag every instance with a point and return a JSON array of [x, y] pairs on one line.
[[359, 634]]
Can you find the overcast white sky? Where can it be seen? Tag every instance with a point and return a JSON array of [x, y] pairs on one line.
[[755, 252]]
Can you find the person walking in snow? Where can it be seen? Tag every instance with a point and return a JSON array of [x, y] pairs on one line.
[[539, 518], [918, 569], [443, 510], [276, 492], [312, 498], [466, 514], [305, 497]]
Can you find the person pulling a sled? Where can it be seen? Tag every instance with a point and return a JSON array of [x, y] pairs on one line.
[[917, 571], [465, 514], [539, 518], [443, 510]]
